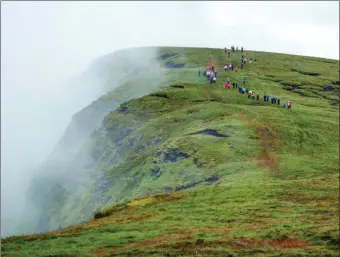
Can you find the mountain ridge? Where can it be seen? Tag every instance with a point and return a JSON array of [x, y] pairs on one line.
[[165, 143]]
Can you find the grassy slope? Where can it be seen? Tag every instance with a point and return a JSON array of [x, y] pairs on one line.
[[277, 192]]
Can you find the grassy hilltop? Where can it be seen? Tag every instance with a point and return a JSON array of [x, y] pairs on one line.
[[195, 170]]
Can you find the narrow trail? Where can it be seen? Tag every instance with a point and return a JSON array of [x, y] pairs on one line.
[[268, 142]]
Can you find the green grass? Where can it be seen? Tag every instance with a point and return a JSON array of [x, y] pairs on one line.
[[278, 175]]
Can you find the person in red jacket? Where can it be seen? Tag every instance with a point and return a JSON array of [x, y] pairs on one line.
[[289, 104]]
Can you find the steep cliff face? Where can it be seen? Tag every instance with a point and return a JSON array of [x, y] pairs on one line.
[[122, 76]]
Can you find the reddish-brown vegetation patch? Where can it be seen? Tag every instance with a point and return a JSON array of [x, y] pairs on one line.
[[268, 142], [102, 252], [134, 218], [248, 242], [311, 182], [181, 235]]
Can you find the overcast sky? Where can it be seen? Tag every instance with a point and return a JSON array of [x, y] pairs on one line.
[[43, 44]]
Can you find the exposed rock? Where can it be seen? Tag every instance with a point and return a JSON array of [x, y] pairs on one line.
[[123, 109], [155, 172], [211, 179], [168, 189], [210, 132], [166, 56], [174, 155], [176, 86], [160, 94], [173, 65]]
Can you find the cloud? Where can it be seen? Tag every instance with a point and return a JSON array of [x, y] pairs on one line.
[[305, 28]]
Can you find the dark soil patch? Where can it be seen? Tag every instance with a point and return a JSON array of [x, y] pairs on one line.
[[173, 65], [328, 88], [174, 155], [288, 88], [290, 84], [166, 56], [309, 73], [155, 172], [160, 94], [176, 86], [210, 132], [210, 180], [198, 164]]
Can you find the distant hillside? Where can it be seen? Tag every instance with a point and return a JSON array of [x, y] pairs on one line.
[[170, 165]]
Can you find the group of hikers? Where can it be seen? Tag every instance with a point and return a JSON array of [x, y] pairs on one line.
[[233, 49], [211, 75], [252, 95]]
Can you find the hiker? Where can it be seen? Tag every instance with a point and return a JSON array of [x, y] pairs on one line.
[[244, 80], [247, 90], [225, 67], [278, 101], [211, 80], [264, 98], [234, 85], [284, 104], [254, 60], [242, 65], [199, 73], [228, 54], [236, 69], [215, 73], [258, 96], [241, 49], [289, 105], [213, 68], [225, 49], [249, 94], [243, 90], [272, 100], [252, 95], [231, 67], [214, 79], [237, 49]]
